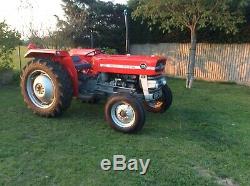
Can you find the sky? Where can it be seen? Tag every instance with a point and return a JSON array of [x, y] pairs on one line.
[[40, 15]]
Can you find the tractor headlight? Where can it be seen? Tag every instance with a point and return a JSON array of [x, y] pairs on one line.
[[160, 66], [164, 81]]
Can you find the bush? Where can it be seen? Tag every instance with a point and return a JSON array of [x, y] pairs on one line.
[[6, 61], [9, 39]]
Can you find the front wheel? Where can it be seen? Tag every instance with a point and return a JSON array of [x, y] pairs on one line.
[[162, 104], [124, 113]]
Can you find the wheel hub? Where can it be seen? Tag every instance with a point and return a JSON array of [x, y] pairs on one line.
[[123, 114], [39, 89], [43, 88]]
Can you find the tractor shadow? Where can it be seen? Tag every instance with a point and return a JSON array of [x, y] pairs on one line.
[[85, 112], [181, 123]]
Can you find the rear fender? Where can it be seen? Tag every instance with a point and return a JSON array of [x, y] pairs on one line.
[[61, 57], [67, 63]]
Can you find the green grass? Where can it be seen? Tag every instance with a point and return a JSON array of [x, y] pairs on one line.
[[203, 139]]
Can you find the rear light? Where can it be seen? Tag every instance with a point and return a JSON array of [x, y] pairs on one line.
[[160, 65]]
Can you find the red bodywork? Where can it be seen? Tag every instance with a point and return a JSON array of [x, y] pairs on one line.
[[118, 64]]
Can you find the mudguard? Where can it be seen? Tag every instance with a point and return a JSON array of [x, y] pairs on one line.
[[61, 57]]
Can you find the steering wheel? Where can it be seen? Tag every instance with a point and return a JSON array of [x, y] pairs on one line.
[[96, 51]]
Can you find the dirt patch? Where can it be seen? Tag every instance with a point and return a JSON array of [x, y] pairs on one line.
[[210, 174]]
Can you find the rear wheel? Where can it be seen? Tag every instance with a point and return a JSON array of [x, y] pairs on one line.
[[46, 87], [124, 113], [162, 104]]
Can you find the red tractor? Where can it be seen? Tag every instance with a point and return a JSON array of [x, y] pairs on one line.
[[131, 83]]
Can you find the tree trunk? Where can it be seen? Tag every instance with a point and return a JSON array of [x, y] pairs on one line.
[[192, 55], [91, 39]]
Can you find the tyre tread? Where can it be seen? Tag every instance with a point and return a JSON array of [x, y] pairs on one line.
[[64, 85]]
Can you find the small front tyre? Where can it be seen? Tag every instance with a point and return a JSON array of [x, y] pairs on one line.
[[124, 113], [162, 104]]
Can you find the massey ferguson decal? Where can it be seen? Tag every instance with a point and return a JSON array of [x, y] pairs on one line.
[[144, 66]]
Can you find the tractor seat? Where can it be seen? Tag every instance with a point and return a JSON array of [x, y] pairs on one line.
[[80, 64]]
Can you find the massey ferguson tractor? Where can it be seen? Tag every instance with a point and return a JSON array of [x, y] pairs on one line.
[[130, 84]]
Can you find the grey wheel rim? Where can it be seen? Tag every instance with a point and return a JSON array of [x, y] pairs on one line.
[[40, 89], [123, 114]]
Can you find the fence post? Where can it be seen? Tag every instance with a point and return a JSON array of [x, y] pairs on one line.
[[19, 55]]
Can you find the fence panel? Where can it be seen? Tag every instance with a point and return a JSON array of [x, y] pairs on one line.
[[214, 62]]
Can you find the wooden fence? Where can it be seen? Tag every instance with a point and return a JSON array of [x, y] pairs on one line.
[[214, 62]]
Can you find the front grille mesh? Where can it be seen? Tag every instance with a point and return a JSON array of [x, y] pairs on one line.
[[160, 65]]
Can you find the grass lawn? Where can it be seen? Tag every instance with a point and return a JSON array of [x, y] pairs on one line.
[[204, 139]]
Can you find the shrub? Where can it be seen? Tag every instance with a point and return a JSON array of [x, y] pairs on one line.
[[9, 39]]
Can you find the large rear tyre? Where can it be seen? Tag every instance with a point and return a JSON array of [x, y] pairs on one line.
[[124, 113], [162, 104], [46, 87]]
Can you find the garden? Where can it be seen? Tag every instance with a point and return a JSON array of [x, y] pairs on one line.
[[202, 139]]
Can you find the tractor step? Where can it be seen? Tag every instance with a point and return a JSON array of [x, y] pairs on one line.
[[86, 97], [90, 97]]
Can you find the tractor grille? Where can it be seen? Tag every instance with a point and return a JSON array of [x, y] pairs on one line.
[[160, 65]]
